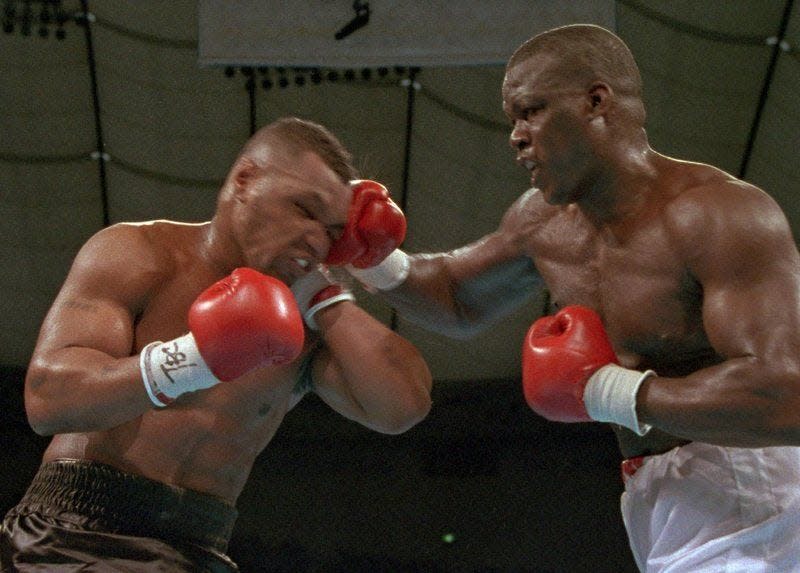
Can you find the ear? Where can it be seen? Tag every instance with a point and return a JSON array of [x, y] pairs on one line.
[[243, 173], [600, 96]]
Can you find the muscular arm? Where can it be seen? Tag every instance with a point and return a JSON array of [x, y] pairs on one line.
[[82, 376], [459, 293], [368, 373], [740, 248]]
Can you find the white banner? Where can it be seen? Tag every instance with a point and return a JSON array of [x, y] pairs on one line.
[[380, 32]]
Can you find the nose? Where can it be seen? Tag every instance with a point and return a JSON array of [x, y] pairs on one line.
[[318, 242], [519, 138]]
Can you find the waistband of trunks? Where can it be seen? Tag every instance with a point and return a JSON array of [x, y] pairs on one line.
[[630, 466], [130, 504]]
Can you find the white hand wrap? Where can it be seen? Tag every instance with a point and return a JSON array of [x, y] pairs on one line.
[[316, 290], [172, 368], [390, 273], [610, 396]]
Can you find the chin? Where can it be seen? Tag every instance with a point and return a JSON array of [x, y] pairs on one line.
[[549, 192], [552, 197], [273, 272], [560, 196]]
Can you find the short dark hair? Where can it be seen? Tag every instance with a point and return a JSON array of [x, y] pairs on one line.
[[589, 51], [299, 135]]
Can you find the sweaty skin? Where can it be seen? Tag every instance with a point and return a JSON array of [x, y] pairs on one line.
[[695, 273], [133, 283]]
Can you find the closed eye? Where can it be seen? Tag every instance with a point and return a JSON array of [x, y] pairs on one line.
[[304, 210], [335, 231]]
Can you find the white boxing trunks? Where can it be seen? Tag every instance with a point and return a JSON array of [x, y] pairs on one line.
[[701, 508]]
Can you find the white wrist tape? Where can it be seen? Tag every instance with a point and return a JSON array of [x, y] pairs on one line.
[[610, 396], [390, 273], [308, 288], [308, 316], [172, 368]]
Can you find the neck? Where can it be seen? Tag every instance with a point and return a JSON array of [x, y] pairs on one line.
[[622, 189], [219, 248]]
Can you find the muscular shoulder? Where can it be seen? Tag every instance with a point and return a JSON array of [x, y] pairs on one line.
[[529, 205], [710, 211], [123, 259], [138, 247], [526, 216]]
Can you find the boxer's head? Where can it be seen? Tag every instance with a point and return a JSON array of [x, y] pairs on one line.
[[287, 196], [570, 93]]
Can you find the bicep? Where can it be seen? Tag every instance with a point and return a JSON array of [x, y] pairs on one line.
[[755, 319], [82, 374], [496, 274], [463, 291], [750, 272], [501, 287], [81, 318], [95, 308]]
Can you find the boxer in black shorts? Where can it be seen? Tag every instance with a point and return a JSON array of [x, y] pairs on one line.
[[78, 511], [173, 352]]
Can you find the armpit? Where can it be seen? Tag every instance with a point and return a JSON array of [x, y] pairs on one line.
[[305, 382]]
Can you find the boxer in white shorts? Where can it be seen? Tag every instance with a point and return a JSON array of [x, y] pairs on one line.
[[708, 509], [674, 293]]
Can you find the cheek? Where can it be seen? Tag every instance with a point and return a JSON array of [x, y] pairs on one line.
[[564, 141]]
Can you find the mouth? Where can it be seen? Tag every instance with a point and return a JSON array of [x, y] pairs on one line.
[[292, 268], [532, 167]]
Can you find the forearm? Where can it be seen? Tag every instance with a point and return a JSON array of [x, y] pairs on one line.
[[740, 402], [81, 389], [461, 293], [379, 378], [428, 297]]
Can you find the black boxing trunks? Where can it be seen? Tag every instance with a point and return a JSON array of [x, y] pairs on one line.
[[80, 512]]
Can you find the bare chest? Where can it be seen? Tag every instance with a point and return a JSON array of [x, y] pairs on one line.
[[650, 303], [206, 440]]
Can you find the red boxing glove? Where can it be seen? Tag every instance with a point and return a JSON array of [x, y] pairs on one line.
[[559, 355], [244, 321], [375, 227], [239, 323]]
